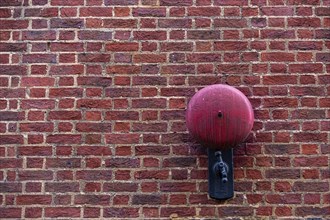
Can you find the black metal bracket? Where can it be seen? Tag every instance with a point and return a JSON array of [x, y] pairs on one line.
[[221, 176]]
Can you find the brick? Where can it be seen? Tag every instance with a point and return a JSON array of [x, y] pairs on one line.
[[67, 47], [323, 57], [178, 69], [202, 80], [203, 35], [39, 58], [33, 199], [66, 69], [35, 175], [121, 47], [279, 79], [175, 2], [305, 45], [308, 187], [233, 68], [149, 12], [279, 149], [284, 199], [37, 81], [315, 211], [178, 187], [174, 46], [66, 23], [122, 163], [307, 91], [281, 126], [277, 11], [204, 11], [149, 80], [308, 114], [322, 34], [277, 57], [152, 174], [149, 103], [35, 151], [119, 23], [283, 211], [322, 11], [56, 212], [304, 22], [306, 68], [94, 103], [175, 23], [41, 127], [231, 23], [237, 211], [95, 12], [283, 173], [92, 199], [94, 81], [33, 212], [149, 35], [94, 175], [41, 12], [151, 150], [123, 212], [11, 3], [277, 34], [203, 57], [123, 69], [310, 161], [149, 58], [179, 211], [12, 93], [13, 47], [11, 116], [179, 162], [94, 58], [8, 212], [119, 2], [120, 187], [64, 115], [281, 102], [66, 92], [5, 13], [10, 188], [94, 35], [122, 138], [309, 137], [11, 139], [230, 45], [66, 3], [63, 163], [91, 212], [122, 115], [145, 199], [38, 104], [93, 127], [14, 24], [301, 2], [64, 139]]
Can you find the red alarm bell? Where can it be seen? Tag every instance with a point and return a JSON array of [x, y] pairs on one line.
[[219, 116]]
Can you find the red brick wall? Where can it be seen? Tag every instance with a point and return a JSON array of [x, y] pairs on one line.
[[93, 96]]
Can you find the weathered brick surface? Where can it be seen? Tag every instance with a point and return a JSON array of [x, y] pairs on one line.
[[93, 96]]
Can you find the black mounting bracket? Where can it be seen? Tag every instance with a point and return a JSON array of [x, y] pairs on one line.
[[221, 174]]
